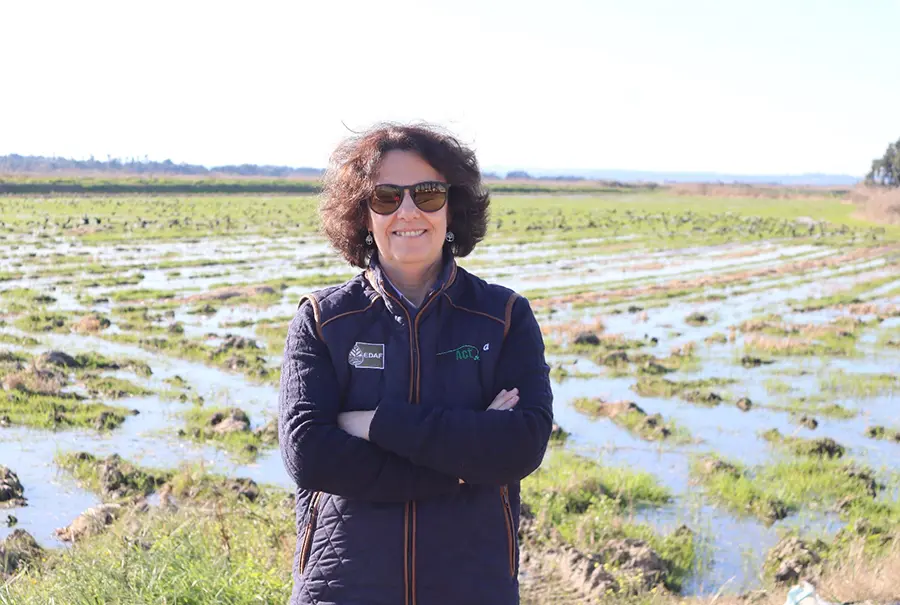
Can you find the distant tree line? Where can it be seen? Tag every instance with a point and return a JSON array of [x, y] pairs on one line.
[[886, 170], [40, 174], [15, 163], [521, 174]]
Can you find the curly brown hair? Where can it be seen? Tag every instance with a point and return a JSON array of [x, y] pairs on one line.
[[350, 182]]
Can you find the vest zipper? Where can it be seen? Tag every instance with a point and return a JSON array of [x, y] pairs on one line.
[[409, 525], [311, 518]]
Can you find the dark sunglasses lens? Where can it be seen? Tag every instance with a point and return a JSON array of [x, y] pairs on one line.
[[386, 199], [430, 197]]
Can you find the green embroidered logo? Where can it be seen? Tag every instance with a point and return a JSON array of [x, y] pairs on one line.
[[464, 352]]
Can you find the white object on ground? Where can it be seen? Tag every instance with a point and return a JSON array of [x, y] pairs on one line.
[[805, 593]]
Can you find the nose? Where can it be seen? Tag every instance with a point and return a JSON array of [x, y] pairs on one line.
[[407, 207]]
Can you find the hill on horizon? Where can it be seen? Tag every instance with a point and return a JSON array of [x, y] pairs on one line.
[[663, 177], [42, 165]]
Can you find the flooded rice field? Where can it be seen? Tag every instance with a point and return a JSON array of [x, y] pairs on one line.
[[748, 368]]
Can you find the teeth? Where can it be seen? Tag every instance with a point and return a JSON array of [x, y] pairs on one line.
[[409, 233]]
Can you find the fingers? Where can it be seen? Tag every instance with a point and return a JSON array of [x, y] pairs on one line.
[[505, 400], [499, 400]]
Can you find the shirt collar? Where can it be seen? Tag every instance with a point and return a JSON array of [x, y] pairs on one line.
[[382, 284]]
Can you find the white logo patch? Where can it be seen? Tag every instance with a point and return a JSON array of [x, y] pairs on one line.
[[367, 355]]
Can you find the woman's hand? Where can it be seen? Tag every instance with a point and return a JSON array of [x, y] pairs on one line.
[[505, 400], [356, 423]]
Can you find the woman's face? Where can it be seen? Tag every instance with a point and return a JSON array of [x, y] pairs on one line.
[[408, 236]]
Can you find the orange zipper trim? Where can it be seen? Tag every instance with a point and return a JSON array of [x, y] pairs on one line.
[[312, 516], [507, 515], [412, 567], [421, 312], [408, 323], [415, 372], [406, 554]]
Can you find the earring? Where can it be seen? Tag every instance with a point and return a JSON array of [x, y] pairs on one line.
[[450, 237], [369, 239]]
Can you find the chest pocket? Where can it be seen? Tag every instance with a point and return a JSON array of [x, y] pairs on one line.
[[464, 370], [371, 356], [364, 390]]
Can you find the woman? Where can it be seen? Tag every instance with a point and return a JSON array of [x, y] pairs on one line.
[[414, 397]]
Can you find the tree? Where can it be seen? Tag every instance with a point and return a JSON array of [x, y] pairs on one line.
[[886, 170]]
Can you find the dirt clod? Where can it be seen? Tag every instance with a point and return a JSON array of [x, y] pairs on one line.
[[91, 522], [12, 493], [58, 358], [791, 560], [809, 422], [587, 338], [16, 551], [234, 420]]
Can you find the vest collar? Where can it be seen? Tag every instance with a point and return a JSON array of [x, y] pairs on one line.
[[392, 298]]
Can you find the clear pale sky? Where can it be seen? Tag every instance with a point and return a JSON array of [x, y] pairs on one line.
[[785, 86]]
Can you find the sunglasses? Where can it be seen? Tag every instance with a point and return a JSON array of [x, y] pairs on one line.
[[429, 196]]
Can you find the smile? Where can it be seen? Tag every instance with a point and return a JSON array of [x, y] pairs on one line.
[[415, 233]]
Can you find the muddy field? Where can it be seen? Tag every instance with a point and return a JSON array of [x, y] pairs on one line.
[[726, 376]]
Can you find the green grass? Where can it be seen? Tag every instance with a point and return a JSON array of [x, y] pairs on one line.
[[838, 383], [260, 301], [698, 319], [21, 341], [573, 498], [608, 343], [889, 339], [34, 398], [818, 405], [130, 479], [776, 386], [730, 485], [10, 275], [884, 434], [189, 483], [97, 361], [716, 338], [245, 444], [583, 503], [770, 492], [178, 382], [57, 412], [661, 218], [142, 294], [112, 388], [590, 406], [653, 427], [141, 319], [695, 391], [215, 548], [238, 554], [560, 373], [112, 280], [845, 297], [825, 346], [801, 446], [247, 361], [648, 427], [24, 295], [45, 321]]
